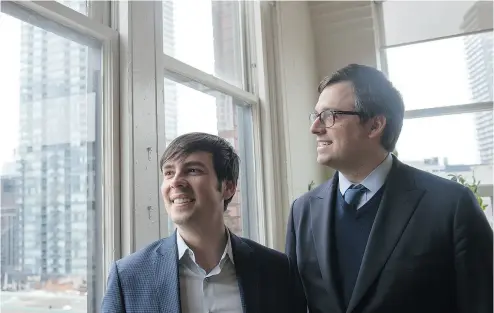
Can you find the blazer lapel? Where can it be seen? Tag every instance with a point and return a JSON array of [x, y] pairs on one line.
[[400, 200], [247, 274], [167, 276], [322, 215]]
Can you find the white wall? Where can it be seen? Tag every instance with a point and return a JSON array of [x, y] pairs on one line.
[[298, 82], [345, 32], [311, 39], [314, 39]]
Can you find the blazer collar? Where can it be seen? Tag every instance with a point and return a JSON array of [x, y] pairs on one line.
[[246, 267], [168, 279], [167, 276]]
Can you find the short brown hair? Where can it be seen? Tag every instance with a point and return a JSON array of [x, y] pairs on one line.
[[375, 95], [226, 161]]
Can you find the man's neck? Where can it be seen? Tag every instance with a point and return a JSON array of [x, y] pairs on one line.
[[357, 173], [208, 245]]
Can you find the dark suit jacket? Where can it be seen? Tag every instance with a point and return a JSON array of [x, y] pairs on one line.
[[430, 249], [148, 280]]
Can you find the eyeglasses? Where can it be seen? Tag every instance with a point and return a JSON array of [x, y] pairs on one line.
[[327, 117]]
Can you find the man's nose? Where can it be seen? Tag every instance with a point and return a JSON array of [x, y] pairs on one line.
[[178, 181], [317, 127]]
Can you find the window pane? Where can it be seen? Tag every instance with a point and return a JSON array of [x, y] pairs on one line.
[[47, 170], [189, 110], [449, 145], [77, 5], [450, 72], [437, 19], [488, 210], [213, 44]]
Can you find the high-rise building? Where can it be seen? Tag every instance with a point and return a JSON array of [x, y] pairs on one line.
[[55, 159], [9, 225], [479, 55]]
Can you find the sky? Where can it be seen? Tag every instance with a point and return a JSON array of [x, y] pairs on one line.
[[194, 46], [428, 75]]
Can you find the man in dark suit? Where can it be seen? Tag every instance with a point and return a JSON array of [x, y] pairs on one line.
[[202, 267], [381, 236]]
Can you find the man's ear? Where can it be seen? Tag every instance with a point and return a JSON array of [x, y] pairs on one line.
[[229, 189], [378, 123]]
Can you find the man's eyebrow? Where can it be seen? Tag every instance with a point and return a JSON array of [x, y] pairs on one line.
[[194, 163], [186, 164]]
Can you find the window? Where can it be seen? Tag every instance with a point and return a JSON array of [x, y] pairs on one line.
[[445, 72], [447, 89], [205, 90], [446, 145], [77, 5], [209, 111], [438, 19], [39, 260], [214, 44]]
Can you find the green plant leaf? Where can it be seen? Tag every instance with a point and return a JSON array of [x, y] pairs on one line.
[[474, 187]]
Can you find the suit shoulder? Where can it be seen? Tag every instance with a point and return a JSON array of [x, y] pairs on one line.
[[140, 258], [266, 254], [304, 198], [433, 182]]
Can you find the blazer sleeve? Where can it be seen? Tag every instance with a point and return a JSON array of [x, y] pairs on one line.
[[473, 240], [291, 251], [113, 299]]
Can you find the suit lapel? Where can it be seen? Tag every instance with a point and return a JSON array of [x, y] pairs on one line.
[[247, 274], [322, 215], [400, 200], [167, 276]]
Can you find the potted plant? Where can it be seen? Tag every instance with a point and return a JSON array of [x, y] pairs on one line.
[[474, 186]]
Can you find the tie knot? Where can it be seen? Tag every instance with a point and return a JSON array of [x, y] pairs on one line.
[[354, 193]]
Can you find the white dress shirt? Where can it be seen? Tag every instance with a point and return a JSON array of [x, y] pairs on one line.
[[201, 292], [373, 182]]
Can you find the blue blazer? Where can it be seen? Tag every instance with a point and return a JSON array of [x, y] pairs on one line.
[[148, 280]]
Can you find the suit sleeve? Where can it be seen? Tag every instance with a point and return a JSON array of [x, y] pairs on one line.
[[113, 299], [300, 302], [473, 239]]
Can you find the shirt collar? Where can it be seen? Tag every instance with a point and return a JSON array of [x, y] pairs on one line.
[[374, 181], [183, 248]]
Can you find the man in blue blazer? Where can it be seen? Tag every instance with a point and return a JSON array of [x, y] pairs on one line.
[[381, 236], [202, 267]]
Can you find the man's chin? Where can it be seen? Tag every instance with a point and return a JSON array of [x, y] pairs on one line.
[[324, 160], [181, 218]]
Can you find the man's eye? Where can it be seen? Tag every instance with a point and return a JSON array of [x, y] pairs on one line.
[[194, 170], [168, 173]]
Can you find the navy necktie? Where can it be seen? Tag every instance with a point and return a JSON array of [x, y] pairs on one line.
[[353, 194]]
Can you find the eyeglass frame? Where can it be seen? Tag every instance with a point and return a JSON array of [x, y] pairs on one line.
[[318, 116]]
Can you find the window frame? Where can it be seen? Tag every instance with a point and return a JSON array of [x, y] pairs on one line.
[[181, 72], [474, 107], [107, 188]]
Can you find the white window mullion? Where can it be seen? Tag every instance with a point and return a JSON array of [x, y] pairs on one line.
[[183, 72], [140, 185], [449, 110]]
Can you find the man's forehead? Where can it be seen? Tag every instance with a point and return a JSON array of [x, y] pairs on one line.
[[339, 96], [197, 158]]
